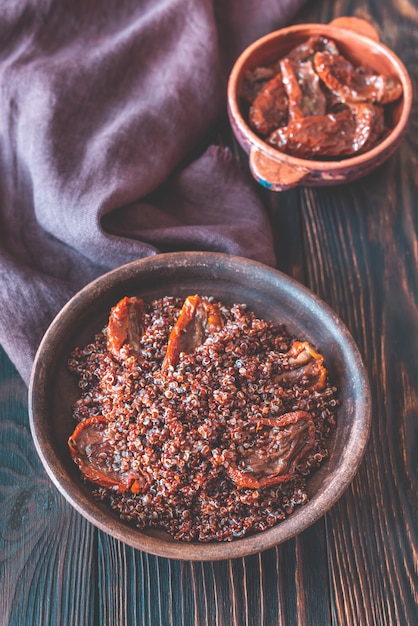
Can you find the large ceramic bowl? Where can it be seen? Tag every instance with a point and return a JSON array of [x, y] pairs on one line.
[[359, 42], [271, 295]]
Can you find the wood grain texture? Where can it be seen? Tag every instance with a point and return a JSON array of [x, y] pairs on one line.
[[264, 589], [372, 528], [361, 252], [46, 549]]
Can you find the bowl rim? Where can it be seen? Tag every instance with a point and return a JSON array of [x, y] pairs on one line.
[[393, 138], [152, 542]]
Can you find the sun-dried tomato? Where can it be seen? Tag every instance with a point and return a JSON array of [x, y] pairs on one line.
[[270, 108], [320, 135], [305, 364], [330, 108], [197, 320], [369, 125], [303, 90], [125, 324], [377, 121], [92, 450], [254, 80], [352, 84], [281, 443], [307, 49], [345, 133]]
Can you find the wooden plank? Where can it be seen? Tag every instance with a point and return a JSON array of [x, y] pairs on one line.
[[47, 559], [278, 586], [361, 243], [362, 258]]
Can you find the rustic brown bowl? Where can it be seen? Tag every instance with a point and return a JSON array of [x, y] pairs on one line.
[[272, 295], [359, 42]]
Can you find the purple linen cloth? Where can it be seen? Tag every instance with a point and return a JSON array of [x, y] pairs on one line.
[[101, 105]]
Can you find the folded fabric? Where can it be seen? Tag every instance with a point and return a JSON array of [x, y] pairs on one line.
[[102, 106]]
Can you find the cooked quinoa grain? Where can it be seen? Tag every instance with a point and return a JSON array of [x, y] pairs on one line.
[[199, 418]]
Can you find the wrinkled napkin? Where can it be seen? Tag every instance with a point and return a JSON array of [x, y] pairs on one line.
[[103, 108]]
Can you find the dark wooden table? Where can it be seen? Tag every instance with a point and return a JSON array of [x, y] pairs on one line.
[[356, 246]]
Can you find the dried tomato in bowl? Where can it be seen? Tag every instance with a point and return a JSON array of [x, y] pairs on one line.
[[314, 103], [199, 418]]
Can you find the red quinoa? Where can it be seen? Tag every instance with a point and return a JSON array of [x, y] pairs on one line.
[[185, 429]]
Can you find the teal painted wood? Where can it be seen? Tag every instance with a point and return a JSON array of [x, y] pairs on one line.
[[278, 586], [46, 549]]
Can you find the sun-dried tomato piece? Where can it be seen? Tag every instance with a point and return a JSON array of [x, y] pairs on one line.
[[96, 457], [254, 80], [355, 84], [279, 138], [386, 89], [306, 364], [324, 135], [345, 133], [279, 446], [334, 109], [302, 352], [369, 125], [126, 324], [269, 109], [307, 49], [303, 89], [378, 128], [198, 319]]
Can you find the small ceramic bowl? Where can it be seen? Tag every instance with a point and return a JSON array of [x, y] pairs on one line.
[[271, 295], [358, 41]]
